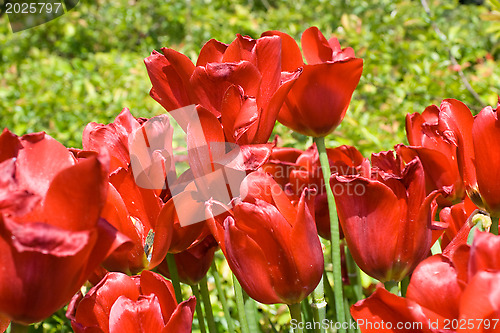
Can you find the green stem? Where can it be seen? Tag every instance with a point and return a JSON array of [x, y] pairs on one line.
[[240, 304], [307, 311], [296, 314], [319, 304], [222, 298], [494, 225], [392, 286], [251, 313], [207, 305], [353, 273], [174, 276], [335, 234], [18, 328], [199, 312], [404, 285], [328, 288]]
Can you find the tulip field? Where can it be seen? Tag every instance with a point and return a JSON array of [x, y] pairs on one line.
[[250, 166]]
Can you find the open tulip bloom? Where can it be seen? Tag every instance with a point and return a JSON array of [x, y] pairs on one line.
[[86, 228]]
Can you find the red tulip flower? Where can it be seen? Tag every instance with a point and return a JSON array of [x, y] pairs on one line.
[[319, 98], [120, 303], [485, 136], [239, 83], [271, 246], [445, 294], [435, 149], [51, 234], [136, 194], [386, 216], [478, 150], [296, 170]]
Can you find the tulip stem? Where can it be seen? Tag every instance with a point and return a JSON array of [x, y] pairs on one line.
[[251, 313], [205, 296], [174, 276], [18, 328], [392, 286], [404, 285], [222, 298], [353, 273], [240, 304], [335, 234], [296, 315], [199, 312], [319, 304], [494, 225]]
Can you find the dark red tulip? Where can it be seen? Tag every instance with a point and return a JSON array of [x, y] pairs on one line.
[[239, 83], [120, 303], [443, 292], [47, 251], [142, 156], [485, 135], [296, 170], [271, 246], [437, 151], [193, 263], [319, 98], [386, 217]]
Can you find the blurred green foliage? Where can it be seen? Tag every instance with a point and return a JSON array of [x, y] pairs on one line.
[[88, 64]]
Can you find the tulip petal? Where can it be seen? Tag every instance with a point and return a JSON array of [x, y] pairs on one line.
[[371, 223], [142, 204], [13, 200], [248, 260], [112, 137], [434, 286], [211, 82], [480, 300], [456, 121], [93, 310], [9, 145], [41, 159], [485, 133], [182, 318], [481, 254], [383, 306], [212, 51], [317, 109], [77, 195], [153, 283], [40, 259], [316, 48], [291, 57], [170, 79], [143, 315]]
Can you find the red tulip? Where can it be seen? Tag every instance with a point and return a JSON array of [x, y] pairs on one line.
[[120, 303], [386, 217], [456, 294], [271, 246], [295, 170], [319, 98], [478, 150], [435, 148], [239, 83], [142, 156], [485, 135], [51, 236]]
